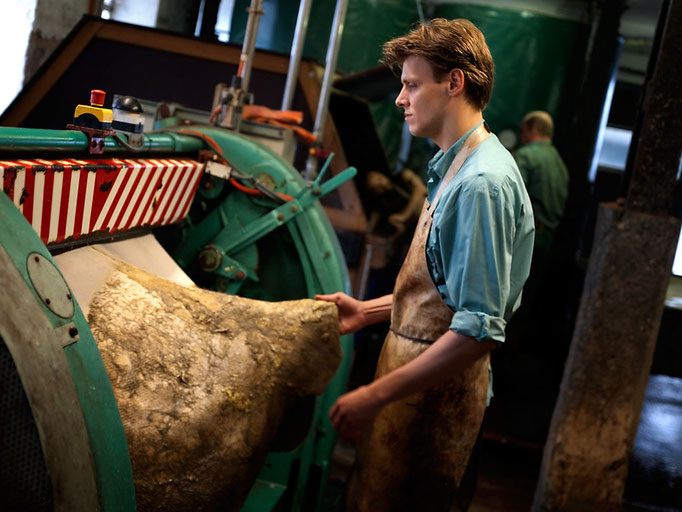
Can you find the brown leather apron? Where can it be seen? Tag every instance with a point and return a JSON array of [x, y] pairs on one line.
[[414, 456]]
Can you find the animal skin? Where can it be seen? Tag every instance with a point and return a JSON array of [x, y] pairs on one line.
[[202, 379]]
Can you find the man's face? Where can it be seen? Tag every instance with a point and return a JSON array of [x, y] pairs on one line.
[[422, 97]]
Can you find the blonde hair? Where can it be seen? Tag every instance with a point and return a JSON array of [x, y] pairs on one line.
[[447, 45], [541, 121]]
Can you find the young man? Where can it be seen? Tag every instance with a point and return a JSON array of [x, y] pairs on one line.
[[460, 282]]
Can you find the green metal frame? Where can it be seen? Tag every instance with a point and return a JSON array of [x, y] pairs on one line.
[[102, 420]]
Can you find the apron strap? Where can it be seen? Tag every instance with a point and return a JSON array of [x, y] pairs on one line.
[[481, 133]]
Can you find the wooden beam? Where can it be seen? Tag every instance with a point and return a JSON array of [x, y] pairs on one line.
[[190, 47]]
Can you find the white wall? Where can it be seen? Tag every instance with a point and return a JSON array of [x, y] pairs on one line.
[[137, 12], [16, 21]]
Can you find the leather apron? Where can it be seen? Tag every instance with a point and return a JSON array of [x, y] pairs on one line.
[[417, 449]]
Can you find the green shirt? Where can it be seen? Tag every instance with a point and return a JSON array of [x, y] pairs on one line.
[[481, 240], [546, 179]]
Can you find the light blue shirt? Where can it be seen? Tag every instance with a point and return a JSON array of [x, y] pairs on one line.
[[481, 241]]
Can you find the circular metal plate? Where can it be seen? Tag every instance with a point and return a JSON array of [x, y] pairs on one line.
[[50, 285]]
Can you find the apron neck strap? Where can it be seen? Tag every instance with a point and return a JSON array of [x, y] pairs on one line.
[[481, 133]]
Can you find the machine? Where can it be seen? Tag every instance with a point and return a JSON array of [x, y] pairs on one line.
[[234, 216]]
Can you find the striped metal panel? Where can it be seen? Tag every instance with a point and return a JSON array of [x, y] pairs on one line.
[[68, 198]]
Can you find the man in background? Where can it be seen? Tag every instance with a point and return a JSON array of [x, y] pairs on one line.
[[546, 179], [545, 176]]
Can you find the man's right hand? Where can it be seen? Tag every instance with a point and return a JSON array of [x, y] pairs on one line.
[[351, 313]]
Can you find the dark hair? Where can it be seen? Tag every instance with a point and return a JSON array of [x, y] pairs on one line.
[[447, 45]]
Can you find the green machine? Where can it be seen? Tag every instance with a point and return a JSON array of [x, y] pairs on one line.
[[255, 228], [62, 438]]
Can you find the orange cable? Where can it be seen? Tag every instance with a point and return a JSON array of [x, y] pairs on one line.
[[235, 183]]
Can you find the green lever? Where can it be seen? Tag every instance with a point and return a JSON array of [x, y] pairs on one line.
[[229, 242]]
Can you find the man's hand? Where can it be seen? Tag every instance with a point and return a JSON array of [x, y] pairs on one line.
[[351, 315], [355, 314], [353, 412]]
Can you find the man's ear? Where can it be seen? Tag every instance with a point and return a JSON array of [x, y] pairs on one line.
[[455, 82]]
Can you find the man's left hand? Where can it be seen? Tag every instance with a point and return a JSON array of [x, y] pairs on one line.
[[353, 412]]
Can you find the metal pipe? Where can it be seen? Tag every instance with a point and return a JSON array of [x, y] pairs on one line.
[[249, 46], [325, 92], [31, 139], [296, 52]]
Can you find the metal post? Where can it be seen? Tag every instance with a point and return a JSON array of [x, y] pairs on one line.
[[330, 68], [296, 51], [586, 455], [249, 46]]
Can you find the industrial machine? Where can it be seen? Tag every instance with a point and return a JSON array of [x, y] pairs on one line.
[[220, 195], [233, 215]]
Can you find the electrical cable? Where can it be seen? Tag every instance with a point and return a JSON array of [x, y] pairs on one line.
[[211, 118], [259, 188], [126, 145]]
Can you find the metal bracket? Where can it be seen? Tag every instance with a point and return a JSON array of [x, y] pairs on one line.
[[230, 242], [67, 334], [218, 170]]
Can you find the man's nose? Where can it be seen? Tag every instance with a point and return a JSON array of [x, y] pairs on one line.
[[400, 100]]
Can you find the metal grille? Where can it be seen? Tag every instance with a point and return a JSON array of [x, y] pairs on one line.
[[24, 480]]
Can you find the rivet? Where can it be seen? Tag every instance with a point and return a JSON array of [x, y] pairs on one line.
[[294, 208], [280, 216]]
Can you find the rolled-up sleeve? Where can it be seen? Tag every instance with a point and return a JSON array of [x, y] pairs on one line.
[[471, 248]]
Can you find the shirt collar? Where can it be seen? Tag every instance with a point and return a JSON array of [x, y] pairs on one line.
[[441, 161]]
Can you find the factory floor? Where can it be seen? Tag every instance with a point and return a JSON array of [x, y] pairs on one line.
[[510, 453]]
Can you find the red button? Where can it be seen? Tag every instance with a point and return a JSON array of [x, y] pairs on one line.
[[97, 97]]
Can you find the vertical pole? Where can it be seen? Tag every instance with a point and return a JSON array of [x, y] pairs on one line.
[[249, 46], [296, 51], [585, 461], [330, 68]]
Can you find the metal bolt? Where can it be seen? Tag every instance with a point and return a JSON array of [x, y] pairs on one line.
[[73, 332], [240, 275], [294, 208], [280, 216], [210, 259]]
